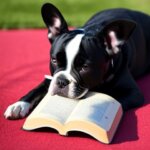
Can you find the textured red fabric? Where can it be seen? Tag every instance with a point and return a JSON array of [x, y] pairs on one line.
[[24, 60]]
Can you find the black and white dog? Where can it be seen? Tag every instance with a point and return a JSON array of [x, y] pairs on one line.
[[111, 49]]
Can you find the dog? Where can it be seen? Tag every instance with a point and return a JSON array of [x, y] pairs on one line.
[[106, 55]]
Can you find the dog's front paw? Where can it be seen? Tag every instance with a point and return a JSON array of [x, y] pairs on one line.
[[17, 110]]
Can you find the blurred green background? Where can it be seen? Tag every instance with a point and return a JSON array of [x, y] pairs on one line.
[[27, 13]]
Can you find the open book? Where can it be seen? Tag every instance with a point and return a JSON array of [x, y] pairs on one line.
[[97, 115]]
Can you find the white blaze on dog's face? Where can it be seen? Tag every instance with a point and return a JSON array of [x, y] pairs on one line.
[[63, 83]]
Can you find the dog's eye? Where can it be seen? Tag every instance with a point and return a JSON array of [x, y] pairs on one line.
[[54, 61], [85, 67]]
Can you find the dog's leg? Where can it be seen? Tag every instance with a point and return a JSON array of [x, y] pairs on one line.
[[21, 108], [127, 92]]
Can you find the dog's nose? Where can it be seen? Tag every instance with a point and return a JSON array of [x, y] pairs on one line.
[[62, 82]]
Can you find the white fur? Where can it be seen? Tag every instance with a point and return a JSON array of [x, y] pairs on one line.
[[72, 50], [17, 110]]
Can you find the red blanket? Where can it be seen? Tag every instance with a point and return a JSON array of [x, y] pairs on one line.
[[24, 60]]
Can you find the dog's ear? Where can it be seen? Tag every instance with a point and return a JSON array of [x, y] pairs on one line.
[[116, 34], [54, 21]]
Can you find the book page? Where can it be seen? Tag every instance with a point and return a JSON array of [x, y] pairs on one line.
[[97, 108], [55, 107]]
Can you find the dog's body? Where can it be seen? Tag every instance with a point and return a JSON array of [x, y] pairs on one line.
[[103, 56]]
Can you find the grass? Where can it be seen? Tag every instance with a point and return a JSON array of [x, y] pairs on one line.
[[26, 13]]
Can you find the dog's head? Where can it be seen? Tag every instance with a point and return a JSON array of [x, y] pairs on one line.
[[81, 58]]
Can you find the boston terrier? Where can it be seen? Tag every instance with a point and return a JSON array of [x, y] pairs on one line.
[[105, 55]]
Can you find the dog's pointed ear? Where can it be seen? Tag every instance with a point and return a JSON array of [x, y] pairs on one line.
[[54, 21], [116, 33]]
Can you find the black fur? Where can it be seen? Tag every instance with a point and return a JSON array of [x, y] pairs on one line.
[[131, 62]]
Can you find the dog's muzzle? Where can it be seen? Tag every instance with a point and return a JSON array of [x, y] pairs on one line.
[[67, 86]]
